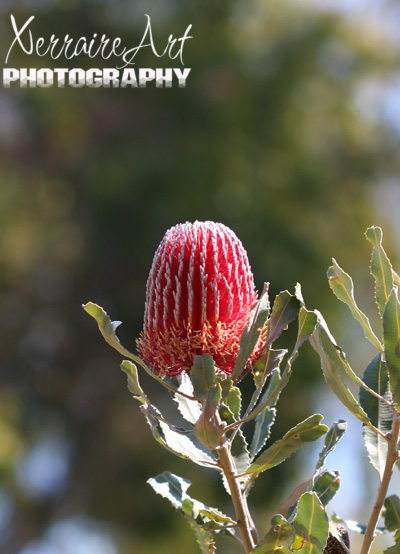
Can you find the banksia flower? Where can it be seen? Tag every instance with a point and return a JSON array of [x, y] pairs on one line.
[[333, 546], [199, 295]]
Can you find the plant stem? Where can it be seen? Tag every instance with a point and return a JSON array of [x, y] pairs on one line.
[[391, 459], [238, 496]]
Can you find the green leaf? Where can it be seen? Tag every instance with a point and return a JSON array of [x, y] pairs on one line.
[[391, 339], [203, 377], [307, 322], [335, 368], [308, 430], [133, 380], [279, 538], [326, 486], [239, 449], [285, 309], [176, 442], [381, 268], [380, 414], [271, 362], [311, 524], [342, 286], [170, 486], [208, 390], [392, 512], [334, 435], [234, 401], [189, 409], [200, 517], [265, 418], [251, 334], [107, 328]]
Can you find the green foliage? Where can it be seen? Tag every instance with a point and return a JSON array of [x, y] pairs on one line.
[[308, 430], [251, 333], [381, 268], [392, 512], [391, 339], [342, 285], [279, 538], [379, 412], [311, 525], [211, 404]]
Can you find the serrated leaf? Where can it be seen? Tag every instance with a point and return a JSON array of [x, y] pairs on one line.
[[133, 380], [311, 524], [380, 414], [391, 339], [179, 444], [308, 430], [326, 486], [266, 417], [199, 516], [335, 369], [342, 286], [189, 409], [285, 309], [396, 279], [279, 538], [381, 268], [334, 435], [170, 486], [251, 334], [392, 512]]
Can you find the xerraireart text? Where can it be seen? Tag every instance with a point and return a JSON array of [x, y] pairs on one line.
[[100, 47]]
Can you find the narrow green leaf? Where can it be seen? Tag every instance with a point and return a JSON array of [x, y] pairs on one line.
[[176, 442], [107, 328], [381, 268], [311, 524], [234, 401], [285, 309], [271, 362], [342, 285], [251, 334], [380, 414], [203, 376], [266, 417], [279, 538], [334, 435], [335, 368], [133, 380], [308, 430], [189, 409], [391, 339], [392, 512], [307, 322], [326, 485]]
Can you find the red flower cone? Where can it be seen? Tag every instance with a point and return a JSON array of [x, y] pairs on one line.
[[200, 292]]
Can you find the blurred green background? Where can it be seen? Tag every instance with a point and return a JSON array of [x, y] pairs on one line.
[[288, 132]]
